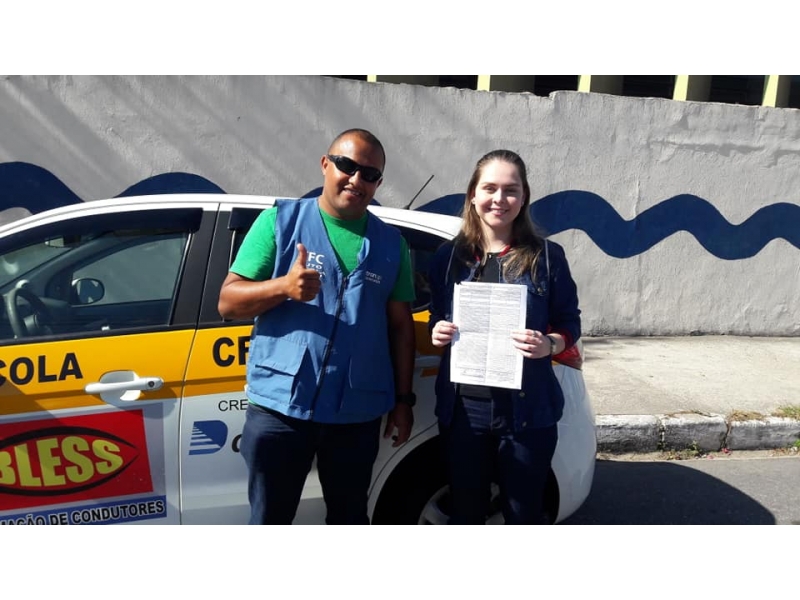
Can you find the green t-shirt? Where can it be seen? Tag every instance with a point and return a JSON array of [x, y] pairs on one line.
[[256, 256]]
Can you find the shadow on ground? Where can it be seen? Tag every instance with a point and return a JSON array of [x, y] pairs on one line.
[[664, 493]]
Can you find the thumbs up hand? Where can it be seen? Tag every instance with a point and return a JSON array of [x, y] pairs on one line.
[[301, 283]]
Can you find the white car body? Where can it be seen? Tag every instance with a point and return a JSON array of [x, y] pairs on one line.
[[125, 407]]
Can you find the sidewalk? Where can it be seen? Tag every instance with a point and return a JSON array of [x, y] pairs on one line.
[[703, 392]]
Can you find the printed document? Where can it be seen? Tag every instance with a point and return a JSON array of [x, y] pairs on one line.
[[483, 351]]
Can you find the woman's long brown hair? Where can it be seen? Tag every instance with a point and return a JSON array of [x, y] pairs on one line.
[[527, 241]]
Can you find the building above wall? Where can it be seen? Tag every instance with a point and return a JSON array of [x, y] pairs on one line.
[[781, 91]]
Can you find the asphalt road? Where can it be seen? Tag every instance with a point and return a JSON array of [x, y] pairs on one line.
[[759, 488]]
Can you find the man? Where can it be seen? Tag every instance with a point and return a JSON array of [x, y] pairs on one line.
[[332, 348]]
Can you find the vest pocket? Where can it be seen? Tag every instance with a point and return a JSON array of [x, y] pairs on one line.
[[371, 392], [275, 372]]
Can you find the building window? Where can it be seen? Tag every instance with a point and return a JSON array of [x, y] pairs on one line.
[[469, 82], [544, 85], [648, 86], [794, 92], [737, 89], [356, 77]]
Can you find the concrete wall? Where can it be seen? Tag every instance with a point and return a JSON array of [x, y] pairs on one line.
[[677, 217]]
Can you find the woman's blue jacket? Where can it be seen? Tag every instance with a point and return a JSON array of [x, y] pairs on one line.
[[552, 301]]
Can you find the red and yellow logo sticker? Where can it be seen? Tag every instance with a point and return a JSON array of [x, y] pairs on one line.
[[71, 459]]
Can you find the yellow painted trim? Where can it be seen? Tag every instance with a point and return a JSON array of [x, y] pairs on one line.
[[484, 83], [424, 345], [372, 78], [681, 91], [47, 377], [692, 88], [776, 90], [584, 83], [218, 361]]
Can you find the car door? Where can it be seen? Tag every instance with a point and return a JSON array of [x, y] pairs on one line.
[[215, 402], [213, 473], [398, 472], [100, 305]]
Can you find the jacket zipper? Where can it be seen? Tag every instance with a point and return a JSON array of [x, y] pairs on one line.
[[329, 345]]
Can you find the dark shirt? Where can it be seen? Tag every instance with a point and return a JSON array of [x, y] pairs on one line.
[[487, 272]]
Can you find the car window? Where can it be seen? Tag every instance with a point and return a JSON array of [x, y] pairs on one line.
[[240, 221], [101, 274], [422, 246], [145, 269]]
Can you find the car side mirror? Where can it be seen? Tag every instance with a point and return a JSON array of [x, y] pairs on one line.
[[87, 290]]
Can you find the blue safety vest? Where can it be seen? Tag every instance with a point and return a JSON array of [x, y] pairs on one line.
[[327, 360]]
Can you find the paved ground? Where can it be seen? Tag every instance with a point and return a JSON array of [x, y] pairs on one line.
[[645, 386]]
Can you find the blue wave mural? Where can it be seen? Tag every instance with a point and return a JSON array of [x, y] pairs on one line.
[[574, 209], [28, 186], [172, 183], [35, 189], [623, 239]]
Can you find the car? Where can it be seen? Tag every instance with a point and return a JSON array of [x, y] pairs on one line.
[[122, 390]]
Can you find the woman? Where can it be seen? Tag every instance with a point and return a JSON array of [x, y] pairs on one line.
[[495, 434]]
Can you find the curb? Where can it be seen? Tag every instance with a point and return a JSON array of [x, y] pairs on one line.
[[706, 432]]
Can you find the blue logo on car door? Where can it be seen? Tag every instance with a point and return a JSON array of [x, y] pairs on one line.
[[208, 437]]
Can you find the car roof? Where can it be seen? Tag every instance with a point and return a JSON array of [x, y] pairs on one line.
[[434, 222]]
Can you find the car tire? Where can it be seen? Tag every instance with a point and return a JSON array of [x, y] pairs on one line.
[[412, 488], [417, 492]]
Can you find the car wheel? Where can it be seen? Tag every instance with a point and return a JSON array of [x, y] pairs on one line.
[[417, 492], [408, 492], [436, 510]]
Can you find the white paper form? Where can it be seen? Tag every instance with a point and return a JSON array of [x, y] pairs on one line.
[[483, 351]]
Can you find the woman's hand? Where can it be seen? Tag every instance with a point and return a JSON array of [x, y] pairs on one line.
[[442, 333], [531, 343]]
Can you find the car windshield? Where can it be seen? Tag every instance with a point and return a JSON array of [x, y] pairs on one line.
[[17, 263]]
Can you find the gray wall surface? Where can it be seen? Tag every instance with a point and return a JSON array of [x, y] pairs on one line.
[[677, 217]]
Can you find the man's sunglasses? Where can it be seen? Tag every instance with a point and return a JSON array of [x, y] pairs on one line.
[[349, 167]]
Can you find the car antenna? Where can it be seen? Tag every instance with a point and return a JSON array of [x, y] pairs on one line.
[[407, 206]]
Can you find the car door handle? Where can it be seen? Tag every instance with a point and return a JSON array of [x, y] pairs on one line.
[[143, 384], [123, 385]]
